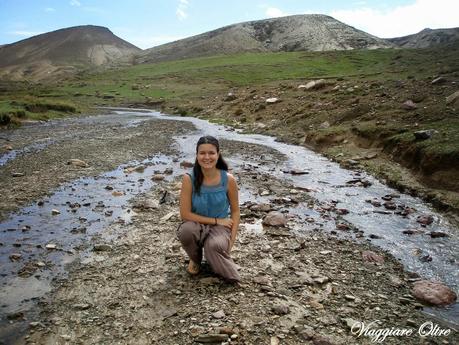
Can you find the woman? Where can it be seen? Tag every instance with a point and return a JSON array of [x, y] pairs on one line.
[[206, 198]]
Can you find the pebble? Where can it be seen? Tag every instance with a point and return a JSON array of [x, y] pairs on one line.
[[219, 314]]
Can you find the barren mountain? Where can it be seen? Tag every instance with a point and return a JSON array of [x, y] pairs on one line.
[[63, 50], [311, 32], [427, 38]]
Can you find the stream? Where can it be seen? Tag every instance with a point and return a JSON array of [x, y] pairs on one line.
[[52, 232]]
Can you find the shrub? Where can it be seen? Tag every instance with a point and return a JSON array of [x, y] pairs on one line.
[[5, 119]]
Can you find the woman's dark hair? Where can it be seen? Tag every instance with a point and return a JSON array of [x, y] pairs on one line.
[[197, 172]]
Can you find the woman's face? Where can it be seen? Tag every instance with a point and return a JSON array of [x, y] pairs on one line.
[[207, 156]]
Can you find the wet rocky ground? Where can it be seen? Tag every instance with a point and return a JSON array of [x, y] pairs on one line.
[[299, 287], [306, 289]]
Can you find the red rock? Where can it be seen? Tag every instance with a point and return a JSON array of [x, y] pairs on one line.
[[425, 219], [342, 226], [433, 292], [370, 256], [185, 164], [275, 218]]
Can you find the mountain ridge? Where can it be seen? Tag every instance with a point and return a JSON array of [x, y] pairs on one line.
[[427, 38], [311, 32], [62, 51]]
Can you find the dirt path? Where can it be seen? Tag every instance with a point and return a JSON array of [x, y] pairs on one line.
[[133, 288]]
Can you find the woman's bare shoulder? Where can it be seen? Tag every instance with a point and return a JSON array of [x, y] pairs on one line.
[[186, 178], [231, 178]]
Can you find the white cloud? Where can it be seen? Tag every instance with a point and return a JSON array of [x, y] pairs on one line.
[[272, 12], [50, 9], [25, 33], [182, 8], [402, 20], [75, 3]]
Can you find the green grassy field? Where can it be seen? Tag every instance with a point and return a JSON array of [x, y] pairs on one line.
[[374, 84], [187, 78]]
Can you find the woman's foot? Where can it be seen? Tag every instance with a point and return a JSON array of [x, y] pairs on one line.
[[193, 268]]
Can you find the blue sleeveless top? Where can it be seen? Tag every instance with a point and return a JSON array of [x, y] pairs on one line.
[[212, 201]]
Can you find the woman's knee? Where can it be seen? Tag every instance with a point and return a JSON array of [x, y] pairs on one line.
[[216, 245], [187, 231]]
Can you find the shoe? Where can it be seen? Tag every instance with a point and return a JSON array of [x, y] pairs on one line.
[[193, 268]]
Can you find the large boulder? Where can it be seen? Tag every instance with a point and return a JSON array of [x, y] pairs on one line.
[[433, 292], [275, 218]]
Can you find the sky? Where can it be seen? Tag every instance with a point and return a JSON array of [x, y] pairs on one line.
[[148, 23]]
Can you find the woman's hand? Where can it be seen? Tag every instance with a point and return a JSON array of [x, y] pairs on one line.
[[226, 222]]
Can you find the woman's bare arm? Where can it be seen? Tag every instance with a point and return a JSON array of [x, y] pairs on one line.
[[233, 196]]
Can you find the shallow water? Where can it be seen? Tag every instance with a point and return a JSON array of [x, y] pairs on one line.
[[329, 182]]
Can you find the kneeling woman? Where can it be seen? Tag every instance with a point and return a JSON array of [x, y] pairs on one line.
[[206, 198]]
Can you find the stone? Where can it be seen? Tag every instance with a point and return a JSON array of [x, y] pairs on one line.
[[350, 322], [262, 280], [272, 100], [315, 84], [77, 163], [370, 256], [342, 226], [437, 234], [260, 207], [117, 193], [211, 338], [453, 99], [17, 174], [81, 306], [51, 246], [102, 248], [433, 292], [425, 219], [275, 218], [229, 97], [409, 105], [274, 341], [280, 309], [8, 147], [209, 281], [169, 216], [146, 205], [218, 314], [15, 256], [322, 340], [157, 177], [424, 135], [55, 212], [438, 80], [321, 280], [324, 125], [390, 205], [186, 164]]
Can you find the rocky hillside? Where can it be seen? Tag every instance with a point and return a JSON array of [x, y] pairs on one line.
[[60, 51], [312, 32], [427, 38]]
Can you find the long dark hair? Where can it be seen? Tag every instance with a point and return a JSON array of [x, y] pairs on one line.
[[197, 172]]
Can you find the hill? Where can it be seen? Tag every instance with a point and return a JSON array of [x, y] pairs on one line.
[[311, 32], [427, 38], [62, 51]]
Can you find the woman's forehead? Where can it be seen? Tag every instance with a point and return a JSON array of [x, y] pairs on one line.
[[207, 147]]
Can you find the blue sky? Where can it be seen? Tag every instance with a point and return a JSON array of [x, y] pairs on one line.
[[147, 23]]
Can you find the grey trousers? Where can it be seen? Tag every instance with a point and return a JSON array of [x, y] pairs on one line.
[[215, 240]]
